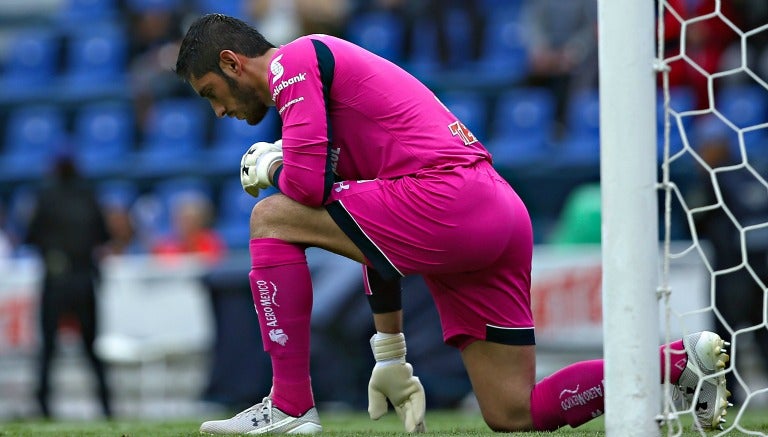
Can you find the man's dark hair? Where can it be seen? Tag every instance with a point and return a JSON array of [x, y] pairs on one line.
[[208, 36]]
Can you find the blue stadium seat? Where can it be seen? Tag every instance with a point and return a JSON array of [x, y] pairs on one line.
[[120, 193], [583, 114], [580, 145], [511, 152], [33, 136], [525, 112], [174, 137], [504, 56], [154, 5], [424, 58], [20, 206], [380, 32], [153, 209], [470, 108], [234, 8], [96, 63], [232, 137], [744, 106], [581, 151], [32, 64], [103, 137], [235, 207], [73, 13], [458, 37], [507, 7]]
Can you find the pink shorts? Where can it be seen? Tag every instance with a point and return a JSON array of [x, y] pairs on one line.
[[464, 230]]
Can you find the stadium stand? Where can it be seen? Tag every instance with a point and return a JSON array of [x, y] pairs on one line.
[[31, 64], [83, 74], [34, 134], [104, 134]]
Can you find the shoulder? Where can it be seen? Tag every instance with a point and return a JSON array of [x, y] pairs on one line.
[[304, 48]]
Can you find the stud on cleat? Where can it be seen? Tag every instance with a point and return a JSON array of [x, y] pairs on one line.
[[706, 357]]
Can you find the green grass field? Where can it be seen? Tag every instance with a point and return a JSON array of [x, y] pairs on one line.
[[442, 423]]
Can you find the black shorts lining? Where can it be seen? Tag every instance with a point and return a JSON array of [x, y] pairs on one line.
[[511, 336], [349, 226]]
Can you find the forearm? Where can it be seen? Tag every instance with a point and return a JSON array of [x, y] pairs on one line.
[[389, 323]]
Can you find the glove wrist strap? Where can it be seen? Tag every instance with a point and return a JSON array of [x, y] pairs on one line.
[[388, 348]]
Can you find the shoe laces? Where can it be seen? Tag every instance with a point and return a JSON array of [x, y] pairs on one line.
[[264, 407]]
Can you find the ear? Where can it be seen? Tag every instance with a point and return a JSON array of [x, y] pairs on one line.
[[230, 63]]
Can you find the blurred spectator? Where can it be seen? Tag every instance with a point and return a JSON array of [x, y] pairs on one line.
[[561, 38], [124, 238], [154, 34], [67, 227], [192, 218], [289, 19], [322, 16], [705, 42], [453, 21], [751, 14], [277, 18], [738, 295], [6, 247]]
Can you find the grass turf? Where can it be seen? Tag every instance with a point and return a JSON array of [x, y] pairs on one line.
[[442, 423]]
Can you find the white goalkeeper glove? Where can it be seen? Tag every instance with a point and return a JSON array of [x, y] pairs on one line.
[[255, 165], [392, 378]]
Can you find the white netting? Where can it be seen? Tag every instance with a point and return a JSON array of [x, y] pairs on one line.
[[714, 158]]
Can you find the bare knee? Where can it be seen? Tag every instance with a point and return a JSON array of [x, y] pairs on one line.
[[502, 378], [507, 416], [267, 216]]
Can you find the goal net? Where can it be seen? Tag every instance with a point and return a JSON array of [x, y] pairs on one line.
[[713, 154]]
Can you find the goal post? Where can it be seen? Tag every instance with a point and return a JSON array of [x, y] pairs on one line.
[[630, 250]]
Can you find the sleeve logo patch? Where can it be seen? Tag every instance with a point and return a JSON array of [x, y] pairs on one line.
[[277, 68]]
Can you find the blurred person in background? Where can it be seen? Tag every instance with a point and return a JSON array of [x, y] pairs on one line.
[[706, 44], [6, 246], [68, 228], [561, 37], [279, 16], [154, 35], [371, 166], [289, 19], [124, 239], [191, 219], [738, 295], [443, 15]]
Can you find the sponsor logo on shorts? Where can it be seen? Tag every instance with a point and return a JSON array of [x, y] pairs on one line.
[[301, 77], [340, 186]]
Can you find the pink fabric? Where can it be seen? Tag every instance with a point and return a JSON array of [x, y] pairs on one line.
[[575, 395], [282, 295], [677, 360], [465, 231], [384, 123]]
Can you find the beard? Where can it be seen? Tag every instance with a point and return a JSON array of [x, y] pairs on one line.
[[254, 110]]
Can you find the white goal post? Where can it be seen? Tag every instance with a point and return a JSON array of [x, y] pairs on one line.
[[628, 173]]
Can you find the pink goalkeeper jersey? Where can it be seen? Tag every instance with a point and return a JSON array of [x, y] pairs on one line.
[[351, 115]]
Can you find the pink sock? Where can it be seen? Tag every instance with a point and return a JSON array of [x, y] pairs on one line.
[[575, 395], [282, 294]]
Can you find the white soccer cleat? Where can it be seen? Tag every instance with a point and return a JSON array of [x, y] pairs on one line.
[[706, 356], [264, 418]]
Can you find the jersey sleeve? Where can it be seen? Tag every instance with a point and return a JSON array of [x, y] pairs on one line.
[[300, 80]]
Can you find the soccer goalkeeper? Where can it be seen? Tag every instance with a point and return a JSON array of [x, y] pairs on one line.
[[373, 167]]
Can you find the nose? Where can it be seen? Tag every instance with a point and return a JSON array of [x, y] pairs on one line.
[[219, 110]]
